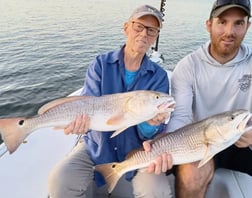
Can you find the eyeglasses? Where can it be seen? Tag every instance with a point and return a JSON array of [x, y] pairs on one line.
[[220, 3], [139, 27]]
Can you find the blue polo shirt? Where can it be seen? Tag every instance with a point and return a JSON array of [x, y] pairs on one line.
[[106, 75]]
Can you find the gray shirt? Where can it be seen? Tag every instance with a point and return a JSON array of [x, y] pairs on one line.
[[203, 87]]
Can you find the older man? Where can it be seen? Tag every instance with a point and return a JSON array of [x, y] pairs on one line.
[[126, 69]]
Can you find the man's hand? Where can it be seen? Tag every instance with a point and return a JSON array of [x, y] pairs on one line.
[[79, 126], [245, 140], [162, 164], [159, 119]]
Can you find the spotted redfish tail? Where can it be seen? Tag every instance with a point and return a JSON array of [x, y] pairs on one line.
[[12, 132], [111, 173]]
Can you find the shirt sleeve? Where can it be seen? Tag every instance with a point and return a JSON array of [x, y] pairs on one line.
[[182, 91], [92, 83]]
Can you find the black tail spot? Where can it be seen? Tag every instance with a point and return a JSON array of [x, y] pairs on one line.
[[21, 122], [113, 166]]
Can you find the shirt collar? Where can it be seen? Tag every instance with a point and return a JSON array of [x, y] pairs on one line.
[[146, 65]]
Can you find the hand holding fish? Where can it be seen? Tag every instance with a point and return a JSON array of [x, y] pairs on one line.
[[79, 126], [162, 163], [159, 119], [245, 140]]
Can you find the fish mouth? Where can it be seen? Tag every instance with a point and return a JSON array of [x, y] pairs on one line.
[[249, 122], [167, 106], [246, 124]]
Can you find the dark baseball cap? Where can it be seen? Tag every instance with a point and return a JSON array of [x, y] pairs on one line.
[[221, 6]]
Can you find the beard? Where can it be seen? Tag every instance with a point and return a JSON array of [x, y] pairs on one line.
[[225, 49]]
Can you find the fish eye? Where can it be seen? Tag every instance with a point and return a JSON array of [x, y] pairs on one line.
[[157, 96], [232, 117]]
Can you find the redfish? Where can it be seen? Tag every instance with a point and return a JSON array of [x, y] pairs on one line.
[[199, 141], [114, 112]]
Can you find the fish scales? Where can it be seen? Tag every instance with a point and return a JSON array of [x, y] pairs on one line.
[[67, 112], [89, 106], [177, 144]]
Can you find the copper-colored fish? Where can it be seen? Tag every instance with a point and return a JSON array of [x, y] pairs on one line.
[[107, 113], [194, 142]]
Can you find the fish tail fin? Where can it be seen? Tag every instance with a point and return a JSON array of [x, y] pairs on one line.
[[111, 172], [12, 132]]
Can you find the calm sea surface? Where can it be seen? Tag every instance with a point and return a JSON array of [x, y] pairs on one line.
[[46, 46]]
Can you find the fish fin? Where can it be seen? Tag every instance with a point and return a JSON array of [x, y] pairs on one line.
[[210, 135], [12, 132], [204, 161], [210, 143], [60, 101], [111, 174], [118, 131], [115, 119], [208, 155]]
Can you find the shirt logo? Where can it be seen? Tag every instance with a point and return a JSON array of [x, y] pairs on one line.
[[245, 82]]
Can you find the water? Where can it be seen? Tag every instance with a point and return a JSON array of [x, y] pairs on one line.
[[46, 45]]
